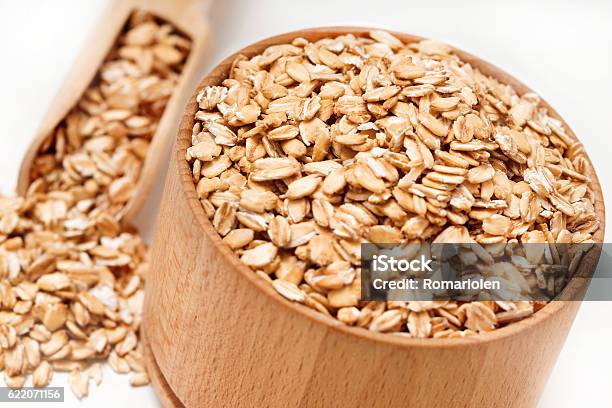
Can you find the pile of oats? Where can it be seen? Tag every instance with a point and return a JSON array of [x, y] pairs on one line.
[[102, 143], [71, 276], [71, 290], [310, 149]]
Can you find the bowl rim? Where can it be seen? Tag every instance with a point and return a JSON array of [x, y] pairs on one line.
[[217, 74]]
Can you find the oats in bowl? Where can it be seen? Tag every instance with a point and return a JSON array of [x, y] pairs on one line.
[[310, 149]]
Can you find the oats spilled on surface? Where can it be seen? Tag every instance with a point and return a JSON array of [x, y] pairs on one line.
[[310, 149], [71, 276]]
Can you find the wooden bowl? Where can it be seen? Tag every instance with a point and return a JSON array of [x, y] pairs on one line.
[[218, 335]]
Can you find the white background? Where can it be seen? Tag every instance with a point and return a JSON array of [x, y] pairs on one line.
[[561, 49]]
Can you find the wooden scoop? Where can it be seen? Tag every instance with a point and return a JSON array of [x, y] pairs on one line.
[[189, 17]]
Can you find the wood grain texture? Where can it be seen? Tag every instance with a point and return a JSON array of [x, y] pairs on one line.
[[162, 389], [189, 16], [221, 336]]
